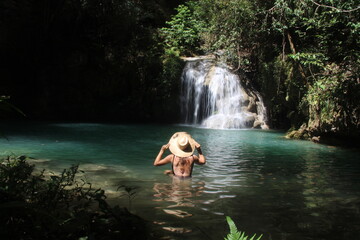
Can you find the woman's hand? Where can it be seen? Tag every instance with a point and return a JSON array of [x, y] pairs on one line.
[[165, 147], [201, 159], [158, 161], [197, 145]]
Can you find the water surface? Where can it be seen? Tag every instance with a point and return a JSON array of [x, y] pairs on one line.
[[284, 189]]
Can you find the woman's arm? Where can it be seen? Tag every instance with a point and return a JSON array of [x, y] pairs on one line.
[[158, 161], [201, 159]]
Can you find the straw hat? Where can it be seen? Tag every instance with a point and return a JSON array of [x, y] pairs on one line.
[[182, 144]]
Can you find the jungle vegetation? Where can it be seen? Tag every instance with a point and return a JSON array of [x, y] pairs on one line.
[[303, 56], [91, 60], [44, 205], [120, 60]]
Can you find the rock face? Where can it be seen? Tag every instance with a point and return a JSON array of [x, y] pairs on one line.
[[212, 96]]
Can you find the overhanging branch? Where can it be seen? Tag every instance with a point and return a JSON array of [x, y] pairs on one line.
[[337, 9]]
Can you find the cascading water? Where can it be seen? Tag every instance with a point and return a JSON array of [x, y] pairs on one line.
[[212, 96]]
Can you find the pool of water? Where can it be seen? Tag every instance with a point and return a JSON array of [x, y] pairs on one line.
[[283, 189]]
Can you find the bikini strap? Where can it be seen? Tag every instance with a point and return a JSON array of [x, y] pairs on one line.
[[172, 164]]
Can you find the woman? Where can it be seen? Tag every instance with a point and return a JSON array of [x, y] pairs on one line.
[[182, 160]]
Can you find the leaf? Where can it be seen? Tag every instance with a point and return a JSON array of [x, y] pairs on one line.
[[235, 234], [257, 238]]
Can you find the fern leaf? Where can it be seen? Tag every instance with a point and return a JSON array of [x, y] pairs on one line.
[[253, 237], [234, 233]]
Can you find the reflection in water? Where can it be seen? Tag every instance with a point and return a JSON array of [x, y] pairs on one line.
[[178, 199], [179, 193]]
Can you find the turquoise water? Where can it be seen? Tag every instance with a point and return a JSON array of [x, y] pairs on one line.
[[283, 189]]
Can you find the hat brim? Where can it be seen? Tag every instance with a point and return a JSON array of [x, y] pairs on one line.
[[174, 148]]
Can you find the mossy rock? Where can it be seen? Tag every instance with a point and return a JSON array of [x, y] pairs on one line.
[[301, 133]]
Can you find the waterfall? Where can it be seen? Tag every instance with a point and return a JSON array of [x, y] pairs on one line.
[[213, 97]]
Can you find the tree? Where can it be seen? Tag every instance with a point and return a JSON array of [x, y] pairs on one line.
[[183, 32], [292, 51]]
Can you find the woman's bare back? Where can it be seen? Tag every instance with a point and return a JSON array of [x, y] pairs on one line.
[[182, 166]]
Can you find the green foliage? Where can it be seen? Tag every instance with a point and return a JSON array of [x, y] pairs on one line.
[[332, 101], [319, 28], [235, 234], [315, 38], [172, 69], [167, 87], [288, 46], [182, 33], [231, 30], [42, 206], [310, 59]]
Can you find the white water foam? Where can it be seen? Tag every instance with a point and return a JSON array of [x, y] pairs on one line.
[[213, 97]]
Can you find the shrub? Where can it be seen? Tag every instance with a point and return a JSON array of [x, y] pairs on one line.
[[36, 206]]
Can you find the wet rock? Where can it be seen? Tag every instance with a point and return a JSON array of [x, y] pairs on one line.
[[252, 105], [315, 139], [257, 124]]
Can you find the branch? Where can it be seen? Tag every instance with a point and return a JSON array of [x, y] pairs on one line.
[[293, 50], [337, 9], [238, 53]]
